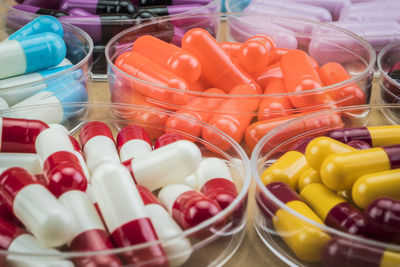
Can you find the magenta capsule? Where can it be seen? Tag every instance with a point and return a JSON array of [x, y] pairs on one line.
[[383, 218], [15, 239], [133, 141], [98, 144], [349, 253], [36, 207], [166, 139], [125, 215], [187, 206], [19, 135], [89, 233], [215, 181]]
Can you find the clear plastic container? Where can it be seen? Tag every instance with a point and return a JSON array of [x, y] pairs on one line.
[[343, 249], [101, 34], [75, 79], [389, 88], [213, 241], [355, 55]]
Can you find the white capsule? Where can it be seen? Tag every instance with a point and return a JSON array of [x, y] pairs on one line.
[[166, 165], [3, 104], [117, 196], [191, 181], [28, 161], [211, 168], [26, 243]]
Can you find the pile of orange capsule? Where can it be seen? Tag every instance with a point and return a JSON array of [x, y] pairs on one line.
[[348, 180], [243, 89]]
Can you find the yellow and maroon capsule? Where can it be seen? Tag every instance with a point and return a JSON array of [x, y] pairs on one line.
[[304, 239], [287, 169], [340, 171], [334, 210], [375, 136]]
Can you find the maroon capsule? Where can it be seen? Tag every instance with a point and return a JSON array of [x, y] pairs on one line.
[[340, 252], [383, 219], [358, 144], [347, 135], [346, 217], [19, 135], [166, 139], [301, 145]]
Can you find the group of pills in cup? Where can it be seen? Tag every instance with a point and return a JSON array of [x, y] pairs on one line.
[[97, 195], [347, 180]]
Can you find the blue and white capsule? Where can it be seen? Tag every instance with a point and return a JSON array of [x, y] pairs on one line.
[[30, 54], [39, 25], [56, 97]]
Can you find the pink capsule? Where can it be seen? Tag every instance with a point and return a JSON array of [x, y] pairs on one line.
[[216, 182], [125, 216], [35, 207], [166, 228], [89, 233], [166, 139], [187, 206], [98, 145], [15, 239], [133, 141], [19, 135]]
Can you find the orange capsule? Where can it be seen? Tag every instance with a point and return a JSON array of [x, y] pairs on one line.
[[299, 75], [348, 95], [169, 56], [233, 117], [263, 76], [232, 49], [152, 79], [278, 54], [256, 53], [319, 125], [216, 65], [273, 107], [200, 108], [200, 85]]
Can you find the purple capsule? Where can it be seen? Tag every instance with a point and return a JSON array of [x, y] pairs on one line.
[[79, 12], [383, 219], [100, 6], [371, 5], [171, 2], [52, 4], [371, 15], [170, 10], [340, 252], [334, 6], [244, 27], [288, 8], [41, 11]]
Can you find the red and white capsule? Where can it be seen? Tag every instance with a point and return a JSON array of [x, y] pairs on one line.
[[166, 165], [125, 216], [215, 181], [28, 161], [98, 145], [36, 207], [133, 141], [19, 135], [187, 206], [89, 233], [16, 240], [178, 249]]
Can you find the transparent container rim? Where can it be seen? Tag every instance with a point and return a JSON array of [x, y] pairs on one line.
[[382, 53], [254, 161], [118, 21], [224, 16], [246, 179], [229, 3], [75, 67]]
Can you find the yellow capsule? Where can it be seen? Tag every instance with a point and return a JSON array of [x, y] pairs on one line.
[[287, 169], [390, 259], [309, 176], [384, 135], [340, 171], [305, 240], [321, 199], [320, 148], [369, 187]]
